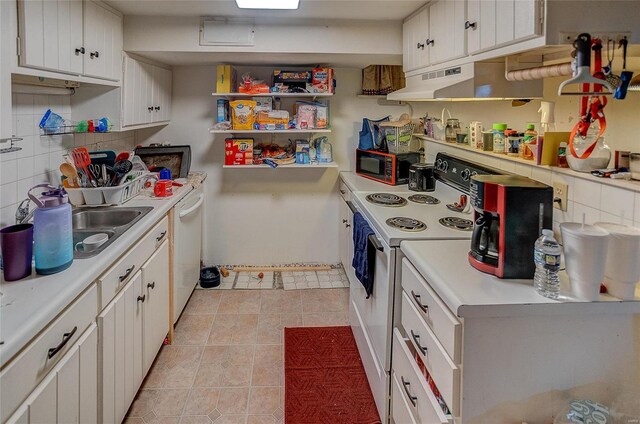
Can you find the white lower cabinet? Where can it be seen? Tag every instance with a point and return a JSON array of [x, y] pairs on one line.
[[68, 394], [132, 329]]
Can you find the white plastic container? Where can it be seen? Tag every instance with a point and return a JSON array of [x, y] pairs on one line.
[[96, 196], [622, 270], [585, 255]]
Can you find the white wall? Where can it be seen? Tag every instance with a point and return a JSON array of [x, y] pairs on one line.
[[40, 157], [265, 216]]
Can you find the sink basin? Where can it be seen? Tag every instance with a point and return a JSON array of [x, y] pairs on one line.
[[114, 221]]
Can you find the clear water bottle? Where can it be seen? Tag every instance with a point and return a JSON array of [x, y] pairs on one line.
[[546, 256]]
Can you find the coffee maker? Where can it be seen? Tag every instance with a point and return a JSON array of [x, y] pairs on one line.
[[509, 214]]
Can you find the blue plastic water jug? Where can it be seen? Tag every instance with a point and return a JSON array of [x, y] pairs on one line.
[[52, 230]]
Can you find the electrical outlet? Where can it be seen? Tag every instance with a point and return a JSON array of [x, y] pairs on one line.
[[560, 196]]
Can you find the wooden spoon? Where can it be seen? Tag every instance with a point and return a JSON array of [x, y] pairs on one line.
[[71, 174]]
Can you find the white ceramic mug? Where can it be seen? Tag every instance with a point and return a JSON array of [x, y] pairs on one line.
[[92, 242], [622, 270], [585, 255]]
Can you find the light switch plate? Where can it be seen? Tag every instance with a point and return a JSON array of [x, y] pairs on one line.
[[560, 195]]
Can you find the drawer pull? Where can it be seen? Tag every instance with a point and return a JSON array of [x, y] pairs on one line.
[[344, 221], [65, 339], [406, 384], [416, 297], [127, 273], [152, 285], [343, 192], [416, 338], [142, 298], [161, 236]]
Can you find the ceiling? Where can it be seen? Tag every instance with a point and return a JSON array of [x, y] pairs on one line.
[[390, 10]]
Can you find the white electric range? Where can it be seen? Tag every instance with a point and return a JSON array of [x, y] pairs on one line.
[[395, 216]]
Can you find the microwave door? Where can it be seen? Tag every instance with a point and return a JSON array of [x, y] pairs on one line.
[[372, 166]]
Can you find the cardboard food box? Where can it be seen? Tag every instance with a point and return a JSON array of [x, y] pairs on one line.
[[238, 151], [321, 81], [226, 79]]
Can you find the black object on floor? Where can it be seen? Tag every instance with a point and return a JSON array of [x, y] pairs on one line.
[[209, 277]]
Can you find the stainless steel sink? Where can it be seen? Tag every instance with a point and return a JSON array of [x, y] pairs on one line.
[[113, 221]]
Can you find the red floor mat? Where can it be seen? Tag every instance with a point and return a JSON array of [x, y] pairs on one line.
[[324, 378]]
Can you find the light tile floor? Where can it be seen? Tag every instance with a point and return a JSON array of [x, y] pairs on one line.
[[226, 364], [333, 278]]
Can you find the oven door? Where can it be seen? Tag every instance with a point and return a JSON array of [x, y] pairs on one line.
[[371, 322]]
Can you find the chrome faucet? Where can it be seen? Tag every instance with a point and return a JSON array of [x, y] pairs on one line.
[[23, 214]]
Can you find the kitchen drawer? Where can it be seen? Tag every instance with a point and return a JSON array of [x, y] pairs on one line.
[[434, 312], [31, 366], [400, 409], [413, 387], [117, 276], [345, 192], [444, 372]]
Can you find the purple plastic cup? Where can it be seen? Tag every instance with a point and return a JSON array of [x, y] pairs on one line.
[[17, 251]]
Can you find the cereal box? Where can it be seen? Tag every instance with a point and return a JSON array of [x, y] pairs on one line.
[[322, 80], [238, 151]]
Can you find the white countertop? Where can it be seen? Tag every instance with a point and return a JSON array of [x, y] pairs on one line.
[[29, 305], [357, 183], [468, 292]]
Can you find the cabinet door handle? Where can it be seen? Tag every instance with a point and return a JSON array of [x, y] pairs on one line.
[[421, 45], [343, 192], [65, 339], [406, 384], [416, 338], [344, 221], [152, 285], [80, 50], [94, 55], [416, 297], [142, 298], [127, 273], [429, 42], [157, 108], [161, 236], [347, 225], [468, 25], [150, 108]]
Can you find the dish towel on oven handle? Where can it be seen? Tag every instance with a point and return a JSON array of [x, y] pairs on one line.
[[364, 253]]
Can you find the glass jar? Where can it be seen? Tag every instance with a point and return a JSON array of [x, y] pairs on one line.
[[498, 138], [599, 157], [452, 130]]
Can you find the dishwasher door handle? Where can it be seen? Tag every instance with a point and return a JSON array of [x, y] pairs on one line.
[[192, 208]]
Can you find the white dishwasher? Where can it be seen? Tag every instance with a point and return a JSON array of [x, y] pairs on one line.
[[187, 242]]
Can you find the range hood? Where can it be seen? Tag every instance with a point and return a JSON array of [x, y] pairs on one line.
[[471, 81]]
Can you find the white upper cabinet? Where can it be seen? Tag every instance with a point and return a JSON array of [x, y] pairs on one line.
[[146, 93], [6, 47], [497, 23], [102, 42], [71, 37], [446, 31], [415, 32]]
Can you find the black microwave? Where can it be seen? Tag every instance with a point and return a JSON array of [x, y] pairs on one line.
[[388, 168]]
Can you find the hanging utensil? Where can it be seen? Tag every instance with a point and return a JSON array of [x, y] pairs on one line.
[[625, 76], [583, 75], [82, 160], [612, 78]]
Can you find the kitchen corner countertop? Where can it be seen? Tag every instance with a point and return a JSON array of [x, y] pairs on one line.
[[27, 306], [471, 293], [357, 183]]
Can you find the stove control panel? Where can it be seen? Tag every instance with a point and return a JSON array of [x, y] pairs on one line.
[[457, 172]]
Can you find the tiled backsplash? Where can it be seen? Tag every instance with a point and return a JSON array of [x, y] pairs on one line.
[[597, 200], [40, 157]]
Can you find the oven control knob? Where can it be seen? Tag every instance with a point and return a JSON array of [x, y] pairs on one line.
[[445, 166], [439, 164], [465, 174]]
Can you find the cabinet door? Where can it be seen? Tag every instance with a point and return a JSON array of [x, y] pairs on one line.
[[51, 34], [415, 32], [120, 366], [103, 42], [161, 94], [446, 31], [42, 402], [343, 234], [145, 87], [155, 288], [137, 94], [7, 47]]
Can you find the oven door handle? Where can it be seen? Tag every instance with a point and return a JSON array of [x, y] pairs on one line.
[[376, 243], [353, 208]]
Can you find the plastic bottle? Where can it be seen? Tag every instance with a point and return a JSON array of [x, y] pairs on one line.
[[498, 138], [546, 255], [530, 139]]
